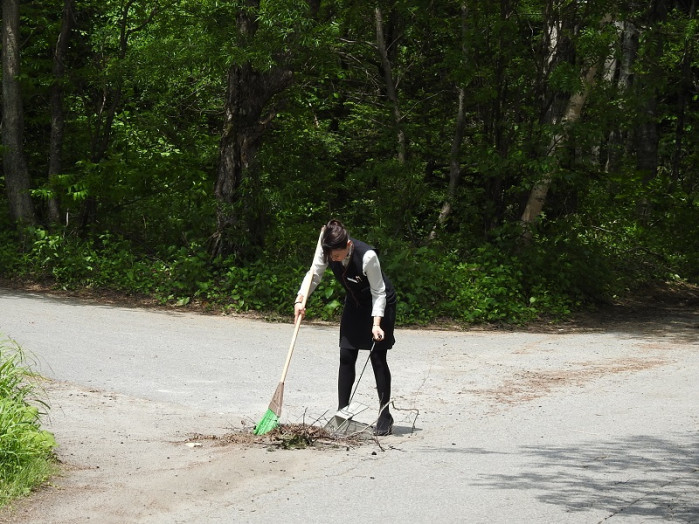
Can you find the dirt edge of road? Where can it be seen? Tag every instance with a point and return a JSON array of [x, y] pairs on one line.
[[647, 302]]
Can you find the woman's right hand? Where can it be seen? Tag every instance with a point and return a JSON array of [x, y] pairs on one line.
[[299, 310]]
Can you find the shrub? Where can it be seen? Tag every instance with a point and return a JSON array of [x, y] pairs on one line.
[[26, 451]]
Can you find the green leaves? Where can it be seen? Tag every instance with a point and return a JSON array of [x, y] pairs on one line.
[[137, 187], [26, 451]]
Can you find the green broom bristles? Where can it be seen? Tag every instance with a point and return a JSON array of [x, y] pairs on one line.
[[269, 422]]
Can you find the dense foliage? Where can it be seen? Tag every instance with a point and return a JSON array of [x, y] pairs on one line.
[[26, 451], [432, 129]]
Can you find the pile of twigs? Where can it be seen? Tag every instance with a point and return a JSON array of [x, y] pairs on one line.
[[285, 436]]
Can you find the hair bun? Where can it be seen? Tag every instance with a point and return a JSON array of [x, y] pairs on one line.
[[335, 236]]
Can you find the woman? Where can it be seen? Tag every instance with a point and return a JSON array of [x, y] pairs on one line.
[[368, 317]]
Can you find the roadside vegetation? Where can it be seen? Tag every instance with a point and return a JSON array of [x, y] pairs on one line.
[[26, 450], [564, 272]]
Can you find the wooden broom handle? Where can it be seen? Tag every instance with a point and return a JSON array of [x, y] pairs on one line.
[[297, 325]]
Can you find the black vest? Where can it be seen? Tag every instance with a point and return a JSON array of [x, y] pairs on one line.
[[355, 281]]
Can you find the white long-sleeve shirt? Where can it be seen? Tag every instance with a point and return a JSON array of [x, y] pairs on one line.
[[370, 267]]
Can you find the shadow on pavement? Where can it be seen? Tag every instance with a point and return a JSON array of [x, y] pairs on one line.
[[641, 477]]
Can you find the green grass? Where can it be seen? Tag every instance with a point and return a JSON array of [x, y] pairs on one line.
[[26, 451]]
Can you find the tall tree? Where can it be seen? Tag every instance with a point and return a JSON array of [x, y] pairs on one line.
[[248, 114], [458, 137], [17, 180], [618, 72], [537, 195], [130, 17], [685, 87], [390, 82], [57, 110], [561, 123]]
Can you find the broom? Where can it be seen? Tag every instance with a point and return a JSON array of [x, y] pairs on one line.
[[270, 420]]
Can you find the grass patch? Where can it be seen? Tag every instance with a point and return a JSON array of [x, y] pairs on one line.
[[26, 451]]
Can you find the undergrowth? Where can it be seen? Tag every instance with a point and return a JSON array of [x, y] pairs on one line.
[[26, 451], [493, 283]]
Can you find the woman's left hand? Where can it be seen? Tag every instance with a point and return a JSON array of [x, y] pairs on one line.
[[377, 333]]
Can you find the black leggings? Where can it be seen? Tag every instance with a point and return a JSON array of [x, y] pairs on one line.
[[347, 374]]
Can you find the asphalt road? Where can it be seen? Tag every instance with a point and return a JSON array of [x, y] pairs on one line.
[[554, 426]]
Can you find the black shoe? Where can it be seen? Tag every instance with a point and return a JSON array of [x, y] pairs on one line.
[[384, 426]]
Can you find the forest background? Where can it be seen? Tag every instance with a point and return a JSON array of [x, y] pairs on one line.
[[511, 160]]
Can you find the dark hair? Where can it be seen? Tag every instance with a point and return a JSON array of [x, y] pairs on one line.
[[335, 236]]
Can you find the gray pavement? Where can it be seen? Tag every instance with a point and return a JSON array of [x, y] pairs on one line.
[[558, 426]]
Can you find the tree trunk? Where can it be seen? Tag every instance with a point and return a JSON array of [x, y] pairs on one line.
[[455, 152], [246, 118], [111, 99], [454, 165], [17, 181], [390, 83], [111, 94], [619, 72], [57, 114], [685, 90], [645, 136], [537, 196]]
